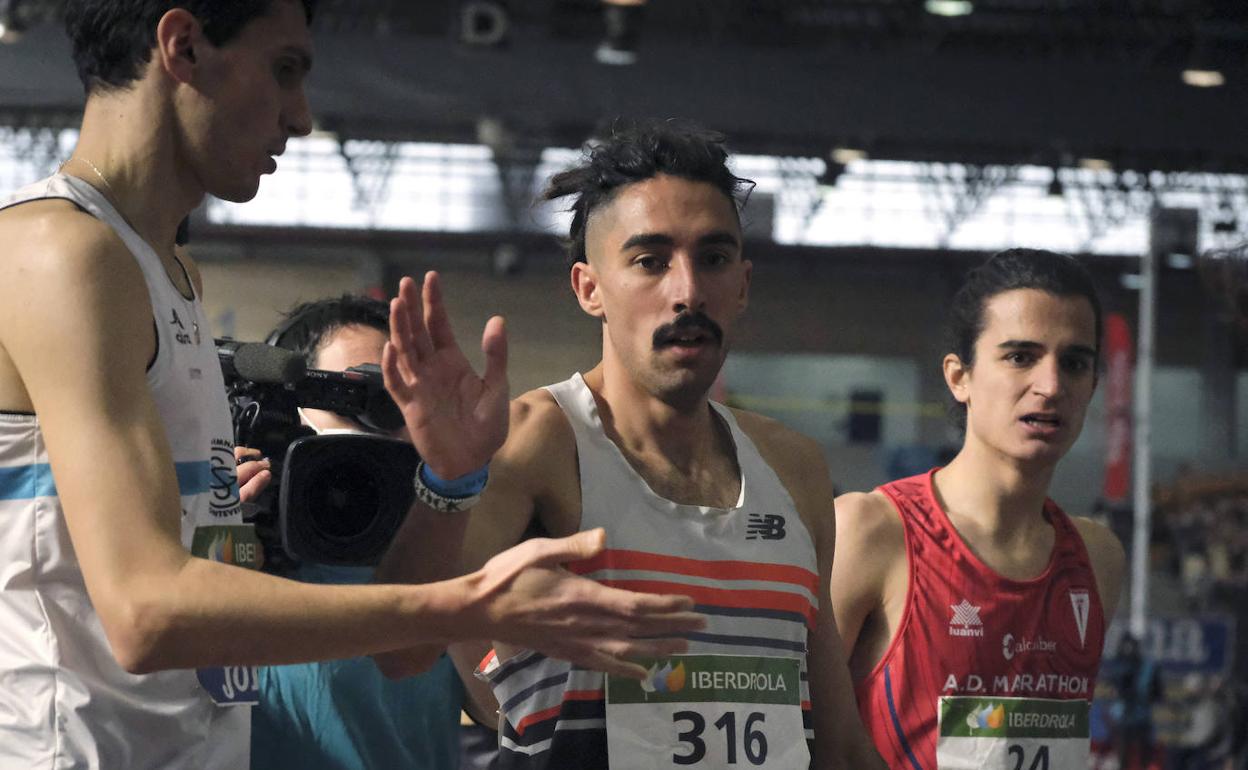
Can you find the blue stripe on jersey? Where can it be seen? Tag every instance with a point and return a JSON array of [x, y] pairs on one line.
[[193, 477], [514, 665], [524, 694], [748, 641], [892, 711], [750, 612], [25, 482]]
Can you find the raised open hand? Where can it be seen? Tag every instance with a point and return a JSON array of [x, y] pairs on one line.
[[526, 598], [456, 419]]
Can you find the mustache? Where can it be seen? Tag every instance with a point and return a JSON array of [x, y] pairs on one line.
[[685, 323]]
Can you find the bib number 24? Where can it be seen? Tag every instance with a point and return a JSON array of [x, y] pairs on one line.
[[753, 741], [1039, 760]]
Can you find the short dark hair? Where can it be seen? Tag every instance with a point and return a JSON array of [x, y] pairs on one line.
[[307, 327], [638, 150], [113, 39], [1057, 274]]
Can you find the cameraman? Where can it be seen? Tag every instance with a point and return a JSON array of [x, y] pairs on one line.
[[344, 713]]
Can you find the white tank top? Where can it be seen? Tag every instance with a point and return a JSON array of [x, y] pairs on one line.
[[750, 568], [64, 700]]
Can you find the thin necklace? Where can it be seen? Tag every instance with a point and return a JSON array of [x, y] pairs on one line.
[[109, 187], [92, 167]]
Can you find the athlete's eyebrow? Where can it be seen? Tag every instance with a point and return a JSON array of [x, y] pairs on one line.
[[1020, 345], [648, 239], [720, 238], [1082, 350], [1079, 350], [716, 238]]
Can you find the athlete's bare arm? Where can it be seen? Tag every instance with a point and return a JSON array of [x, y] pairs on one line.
[[535, 474], [869, 577], [540, 477], [841, 741], [1109, 561], [76, 325]]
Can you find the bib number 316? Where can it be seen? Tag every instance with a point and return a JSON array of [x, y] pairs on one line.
[[753, 739], [708, 712]]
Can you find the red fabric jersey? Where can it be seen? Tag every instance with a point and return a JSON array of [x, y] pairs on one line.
[[966, 630]]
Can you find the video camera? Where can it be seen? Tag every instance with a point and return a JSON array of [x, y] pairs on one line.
[[337, 498]]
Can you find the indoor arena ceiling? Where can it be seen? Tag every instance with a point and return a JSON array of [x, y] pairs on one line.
[[1006, 81]]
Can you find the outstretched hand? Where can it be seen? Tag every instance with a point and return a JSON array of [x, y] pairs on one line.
[[456, 420], [529, 600]]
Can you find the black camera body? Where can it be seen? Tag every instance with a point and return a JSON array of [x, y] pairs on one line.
[[336, 499]]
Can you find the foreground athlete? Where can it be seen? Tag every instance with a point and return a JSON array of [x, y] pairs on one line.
[[972, 607], [117, 464], [697, 499]]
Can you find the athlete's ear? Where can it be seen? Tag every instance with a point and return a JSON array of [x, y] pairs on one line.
[[585, 287], [957, 375], [178, 34]]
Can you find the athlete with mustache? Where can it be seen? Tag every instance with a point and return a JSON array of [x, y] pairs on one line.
[[697, 499], [973, 609]]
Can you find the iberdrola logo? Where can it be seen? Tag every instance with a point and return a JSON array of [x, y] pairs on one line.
[[665, 679], [222, 548], [987, 718]]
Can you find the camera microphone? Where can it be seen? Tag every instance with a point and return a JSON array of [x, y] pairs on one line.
[[257, 362]]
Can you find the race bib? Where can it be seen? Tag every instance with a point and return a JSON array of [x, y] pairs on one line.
[[235, 544], [1012, 734], [708, 711]]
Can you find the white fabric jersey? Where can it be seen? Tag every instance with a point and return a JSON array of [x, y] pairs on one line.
[[751, 570], [64, 700]]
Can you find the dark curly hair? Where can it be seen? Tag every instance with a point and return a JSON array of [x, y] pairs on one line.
[[113, 39], [307, 327], [1007, 270], [633, 152]]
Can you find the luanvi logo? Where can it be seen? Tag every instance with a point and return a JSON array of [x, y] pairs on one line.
[[965, 621], [767, 526]]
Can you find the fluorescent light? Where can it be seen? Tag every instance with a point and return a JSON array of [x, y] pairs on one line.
[[949, 7], [847, 155], [1096, 164], [1201, 78]]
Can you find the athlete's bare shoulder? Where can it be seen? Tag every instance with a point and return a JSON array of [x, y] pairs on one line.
[[538, 426], [1108, 557], [793, 456], [868, 527], [68, 287], [869, 576], [538, 463]]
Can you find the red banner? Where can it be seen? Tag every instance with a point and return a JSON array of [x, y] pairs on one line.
[[1119, 369]]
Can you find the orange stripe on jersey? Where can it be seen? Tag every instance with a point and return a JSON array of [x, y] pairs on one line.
[[537, 716], [680, 565], [544, 714], [723, 597]]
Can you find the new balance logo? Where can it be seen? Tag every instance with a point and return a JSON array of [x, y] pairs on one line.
[[765, 526], [965, 621]]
